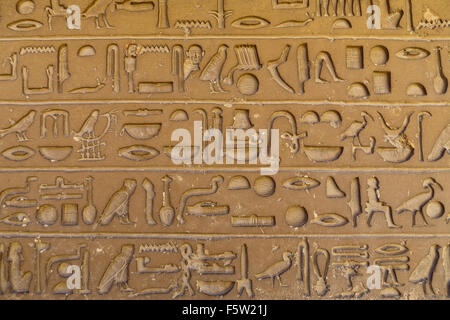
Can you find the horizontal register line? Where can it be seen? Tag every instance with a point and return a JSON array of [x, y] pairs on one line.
[[421, 38], [211, 236], [226, 169], [230, 102]]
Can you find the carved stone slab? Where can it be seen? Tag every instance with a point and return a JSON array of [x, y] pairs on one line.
[[260, 149]]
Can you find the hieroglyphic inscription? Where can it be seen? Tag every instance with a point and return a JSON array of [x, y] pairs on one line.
[[120, 178]]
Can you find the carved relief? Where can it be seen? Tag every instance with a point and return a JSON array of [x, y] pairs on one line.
[[88, 206]]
